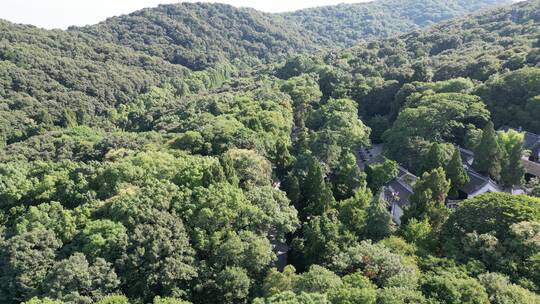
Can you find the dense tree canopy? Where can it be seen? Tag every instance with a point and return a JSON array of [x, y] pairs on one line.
[[202, 153]]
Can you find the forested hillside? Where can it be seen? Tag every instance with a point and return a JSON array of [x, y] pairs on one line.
[[347, 24], [86, 74], [199, 35], [54, 78], [200, 153]]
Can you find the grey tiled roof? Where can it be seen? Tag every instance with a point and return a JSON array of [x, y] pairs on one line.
[[530, 140], [467, 156], [398, 192], [535, 150], [476, 182]]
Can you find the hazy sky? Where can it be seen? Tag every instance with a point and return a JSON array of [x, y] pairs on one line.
[[63, 13]]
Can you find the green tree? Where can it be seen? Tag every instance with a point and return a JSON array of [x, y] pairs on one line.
[[113, 299], [69, 119], [533, 266], [427, 118], [295, 66], [350, 295], [352, 211], [324, 236], [52, 216], [233, 284], [511, 98], [379, 175], [301, 142], [488, 153], [317, 279], [524, 242], [420, 233], [275, 211], [534, 185], [513, 171], [15, 182], [316, 193], [399, 295], [276, 282], [498, 229], [304, 91], [358, 280], [168, 300], [378, 263], [456, 173], [501, 291], [36, 300], [283, 159], [337, 128], [76, 280], [356, 288], [347, 176], [434, 159], [158, 258], [251, 168], [293, 298], [25, 260], [103, 238], [378, 124], [493, 212], [291, 185], [428, 200], [378, 222], [449, 288], [190, 141], [229, 171], [422, 72]]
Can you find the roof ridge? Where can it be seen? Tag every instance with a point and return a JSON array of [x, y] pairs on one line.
[[465, 150], [473, 172], [404, 184]]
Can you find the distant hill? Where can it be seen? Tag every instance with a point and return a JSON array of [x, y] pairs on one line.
[[91, 70], [498, 39], [181, 154], [499, 50], [46, 75], [198, 35], [347, 24]]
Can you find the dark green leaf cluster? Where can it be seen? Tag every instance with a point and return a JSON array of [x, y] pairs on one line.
[[347, 24], [172, 156]]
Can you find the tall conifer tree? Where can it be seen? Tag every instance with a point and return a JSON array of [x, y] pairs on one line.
[[378, 224], [487, 155], [434, 159], [456, 173], [513, 171]]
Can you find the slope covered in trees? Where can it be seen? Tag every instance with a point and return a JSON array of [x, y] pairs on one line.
[[487, 43], [491, 59], [86, 74], [59, 78], [126, 177], [347, 24], [199, 35]]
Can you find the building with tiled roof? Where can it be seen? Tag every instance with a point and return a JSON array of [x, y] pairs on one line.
[[467, 156], [478, 184], [397, 193]]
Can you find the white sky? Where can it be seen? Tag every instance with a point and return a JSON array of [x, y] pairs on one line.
[[63, 13]]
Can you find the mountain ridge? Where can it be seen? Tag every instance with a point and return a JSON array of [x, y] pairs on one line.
[[176, 156], [173, 31]]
